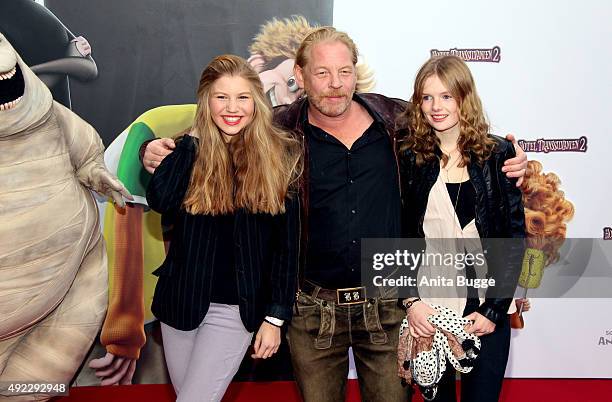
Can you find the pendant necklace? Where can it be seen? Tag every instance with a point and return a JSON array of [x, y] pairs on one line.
[[460, 179]]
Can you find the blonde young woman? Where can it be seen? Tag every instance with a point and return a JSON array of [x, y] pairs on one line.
[[453, 187], [232, 263]]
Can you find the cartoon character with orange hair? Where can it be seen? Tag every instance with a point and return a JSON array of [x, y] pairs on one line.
[[547, 212]]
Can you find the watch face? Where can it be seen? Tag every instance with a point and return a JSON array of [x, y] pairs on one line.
[[411, 302]]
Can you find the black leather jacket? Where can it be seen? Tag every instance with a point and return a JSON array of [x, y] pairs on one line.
[[499, 214]]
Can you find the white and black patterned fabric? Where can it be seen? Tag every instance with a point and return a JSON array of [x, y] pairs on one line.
[[426, 358]]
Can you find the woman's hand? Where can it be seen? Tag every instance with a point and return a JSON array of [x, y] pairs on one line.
[[267, 341], [481, 324], [417, 319]]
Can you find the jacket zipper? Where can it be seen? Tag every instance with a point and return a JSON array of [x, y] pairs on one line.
[[476, 220], [397, 167], [299, 250]]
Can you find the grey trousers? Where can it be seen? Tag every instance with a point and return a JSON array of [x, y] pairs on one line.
[[202, 362]]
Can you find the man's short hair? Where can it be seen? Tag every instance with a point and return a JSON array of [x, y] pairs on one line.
[[324, 34]]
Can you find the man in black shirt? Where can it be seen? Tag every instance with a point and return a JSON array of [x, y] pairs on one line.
[[353, 195], [350, 191]]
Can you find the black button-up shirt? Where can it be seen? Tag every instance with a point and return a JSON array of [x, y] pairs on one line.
[[353, 194]]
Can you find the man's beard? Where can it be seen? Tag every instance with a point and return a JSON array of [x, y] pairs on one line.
[[328, 108]]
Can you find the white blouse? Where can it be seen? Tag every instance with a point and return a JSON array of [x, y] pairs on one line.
[[441, 223]]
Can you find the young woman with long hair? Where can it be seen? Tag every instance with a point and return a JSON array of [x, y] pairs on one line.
[[229, 188], [453, 188]]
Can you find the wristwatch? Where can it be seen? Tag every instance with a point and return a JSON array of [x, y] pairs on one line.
[[409, 303]]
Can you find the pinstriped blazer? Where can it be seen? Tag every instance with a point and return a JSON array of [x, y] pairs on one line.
[[265, 246]]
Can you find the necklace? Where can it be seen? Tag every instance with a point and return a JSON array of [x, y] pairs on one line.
[[447, 169]]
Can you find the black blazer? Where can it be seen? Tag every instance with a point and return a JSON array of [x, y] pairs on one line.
[[499, 214], [265, 246]]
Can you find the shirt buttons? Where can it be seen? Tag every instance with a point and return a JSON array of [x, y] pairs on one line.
[[354, 241], [353, 211], [351, 181]]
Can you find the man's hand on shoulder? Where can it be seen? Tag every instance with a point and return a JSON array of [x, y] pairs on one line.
[[517, 166], [155, 152]]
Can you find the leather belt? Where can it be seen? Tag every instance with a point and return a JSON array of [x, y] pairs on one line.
[[342, 297]]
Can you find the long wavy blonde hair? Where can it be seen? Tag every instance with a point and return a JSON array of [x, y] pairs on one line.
[[473, 126], [256, 169]]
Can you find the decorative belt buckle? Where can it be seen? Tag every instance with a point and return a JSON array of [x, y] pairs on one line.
[[348, 296]]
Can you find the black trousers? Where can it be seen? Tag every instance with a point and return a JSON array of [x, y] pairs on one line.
[[484, 382]]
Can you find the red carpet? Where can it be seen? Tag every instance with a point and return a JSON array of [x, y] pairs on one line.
[[284, 391]]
